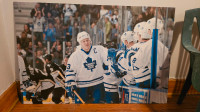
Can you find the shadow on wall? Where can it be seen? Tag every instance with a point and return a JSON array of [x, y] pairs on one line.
[[184, 57]]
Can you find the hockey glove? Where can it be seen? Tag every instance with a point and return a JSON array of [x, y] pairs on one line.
[[120, 74]]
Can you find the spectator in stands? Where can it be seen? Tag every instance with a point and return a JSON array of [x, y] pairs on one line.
[[38, 22], [108, 29], [68, 10], [129, 19], [49, 18], [149, 13], [50, 33], [58, 55], [103, 11], [27, 30], [81, 10], [21, 51], [29, 51], [115, 17], [24, 41], [68, 49], [55, 11], [59, 29], [41, 47], [68, 31], [83, 23], [62, 18], [54, 46], [33, 11], [114, 33], [94, 12], [46, 9]]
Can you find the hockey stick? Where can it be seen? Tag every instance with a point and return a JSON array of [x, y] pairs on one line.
[[61, 75], [73, 90], [39, 84], [63, 86], [78, 97]]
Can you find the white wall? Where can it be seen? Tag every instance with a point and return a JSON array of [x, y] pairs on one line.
[[7, 48]]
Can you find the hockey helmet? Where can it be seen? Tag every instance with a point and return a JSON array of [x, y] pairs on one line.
[[82, 35], [139, 26], [144, 33], [48, 56], [151, 24], [129, 36]]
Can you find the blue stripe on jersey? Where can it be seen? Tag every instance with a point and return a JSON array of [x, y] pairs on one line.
[[109, 84], [111, 71], [126, 82], [69, 75], [69, 70], [107, 73], [129, 58], [70, 81], [145, 70], [143, 76], [88, 82], [121, 66], [126, 52]]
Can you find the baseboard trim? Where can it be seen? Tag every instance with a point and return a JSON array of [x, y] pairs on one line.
[[9, 98]]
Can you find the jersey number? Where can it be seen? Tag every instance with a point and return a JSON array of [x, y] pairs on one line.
[[134, 60], [68, 66]]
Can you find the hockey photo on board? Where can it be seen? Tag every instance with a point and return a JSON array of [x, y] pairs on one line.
[[79, 53]]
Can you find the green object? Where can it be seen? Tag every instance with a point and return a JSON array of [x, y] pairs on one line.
[[187, 44]]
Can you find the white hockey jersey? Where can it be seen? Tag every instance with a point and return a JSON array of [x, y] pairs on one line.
[[111, 81], [141, 63], [86, 69]]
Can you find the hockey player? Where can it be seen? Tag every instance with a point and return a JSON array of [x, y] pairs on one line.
[[112, 78], [141, 62], [52, 69], [85, 70], [137, 29], [151, 25]]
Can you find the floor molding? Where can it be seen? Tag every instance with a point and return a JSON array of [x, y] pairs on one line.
[[9, 98]]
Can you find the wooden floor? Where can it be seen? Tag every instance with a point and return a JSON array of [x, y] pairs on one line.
[[190, 104]]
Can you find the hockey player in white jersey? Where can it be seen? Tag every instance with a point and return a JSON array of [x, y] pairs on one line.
[[137, 29], [141, 62], [85, 70], [151, 25], [112, 78]]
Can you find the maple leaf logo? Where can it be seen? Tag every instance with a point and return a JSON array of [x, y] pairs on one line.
[[90, 64]]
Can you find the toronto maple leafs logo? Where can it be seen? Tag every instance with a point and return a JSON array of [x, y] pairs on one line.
[[90, 64]]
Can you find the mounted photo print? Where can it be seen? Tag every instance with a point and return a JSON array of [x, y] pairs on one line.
[[79, 53]]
